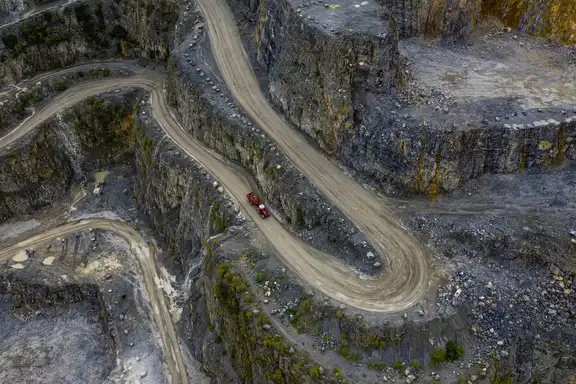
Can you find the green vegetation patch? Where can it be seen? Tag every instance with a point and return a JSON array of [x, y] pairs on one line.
[[452, 352], [246, 342]]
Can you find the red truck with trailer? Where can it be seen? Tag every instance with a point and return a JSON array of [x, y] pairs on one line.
[[255, 200]]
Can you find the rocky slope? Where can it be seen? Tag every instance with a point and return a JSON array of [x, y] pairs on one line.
[[83, 30], [454, 20], [33, 176], [79, 346], [321, 71], [39, 170], [351, 83]]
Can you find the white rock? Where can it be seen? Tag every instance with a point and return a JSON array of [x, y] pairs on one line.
[[457, 293]]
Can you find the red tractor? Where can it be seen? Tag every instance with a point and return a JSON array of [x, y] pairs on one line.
[[255, 200]]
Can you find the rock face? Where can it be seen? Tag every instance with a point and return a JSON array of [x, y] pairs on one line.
[[79, 345], [431, 158], [86, 30], [320, 78], [181, 201], [34, 175], [341, 89], [456, 20], [40, 170]]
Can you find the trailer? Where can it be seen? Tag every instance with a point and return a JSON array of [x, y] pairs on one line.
[[255, 200]]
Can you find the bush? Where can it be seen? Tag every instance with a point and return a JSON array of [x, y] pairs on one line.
[[260, 277], [338, 374], [437, 357], [414, 366], [453, 351], [344, 352], [315, 372]]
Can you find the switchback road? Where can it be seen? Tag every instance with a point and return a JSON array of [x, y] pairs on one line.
[[400, 288]]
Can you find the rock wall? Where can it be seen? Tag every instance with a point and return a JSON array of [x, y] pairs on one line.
[[91, 135], [430, 158], [86, 30], [317, 79], [31, 176], [31, 303], [179, 198], [455, 20]]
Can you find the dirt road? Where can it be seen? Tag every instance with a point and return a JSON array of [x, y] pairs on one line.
[[409, 265], [145, 254], [399, 289]]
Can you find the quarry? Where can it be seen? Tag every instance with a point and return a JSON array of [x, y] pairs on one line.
[[415, 159]]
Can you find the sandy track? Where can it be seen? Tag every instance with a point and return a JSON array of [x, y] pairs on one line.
[[145, 254]]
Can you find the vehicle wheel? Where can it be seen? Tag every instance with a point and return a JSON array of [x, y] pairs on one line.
[[262, 215]]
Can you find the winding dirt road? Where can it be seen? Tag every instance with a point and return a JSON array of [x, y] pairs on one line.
[[408, 276], [399, 289]]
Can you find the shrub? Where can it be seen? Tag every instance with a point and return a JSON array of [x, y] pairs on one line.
[[343, 350], [315, 372], [453, 351], [260, 277], [338, 374], [437, 357]]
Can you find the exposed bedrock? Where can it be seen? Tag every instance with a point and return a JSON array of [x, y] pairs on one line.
[[35, 175], [456, 20], [93, 134], [84, 30], [340, 88], [320, 71], [54, 334], [429, 158]]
